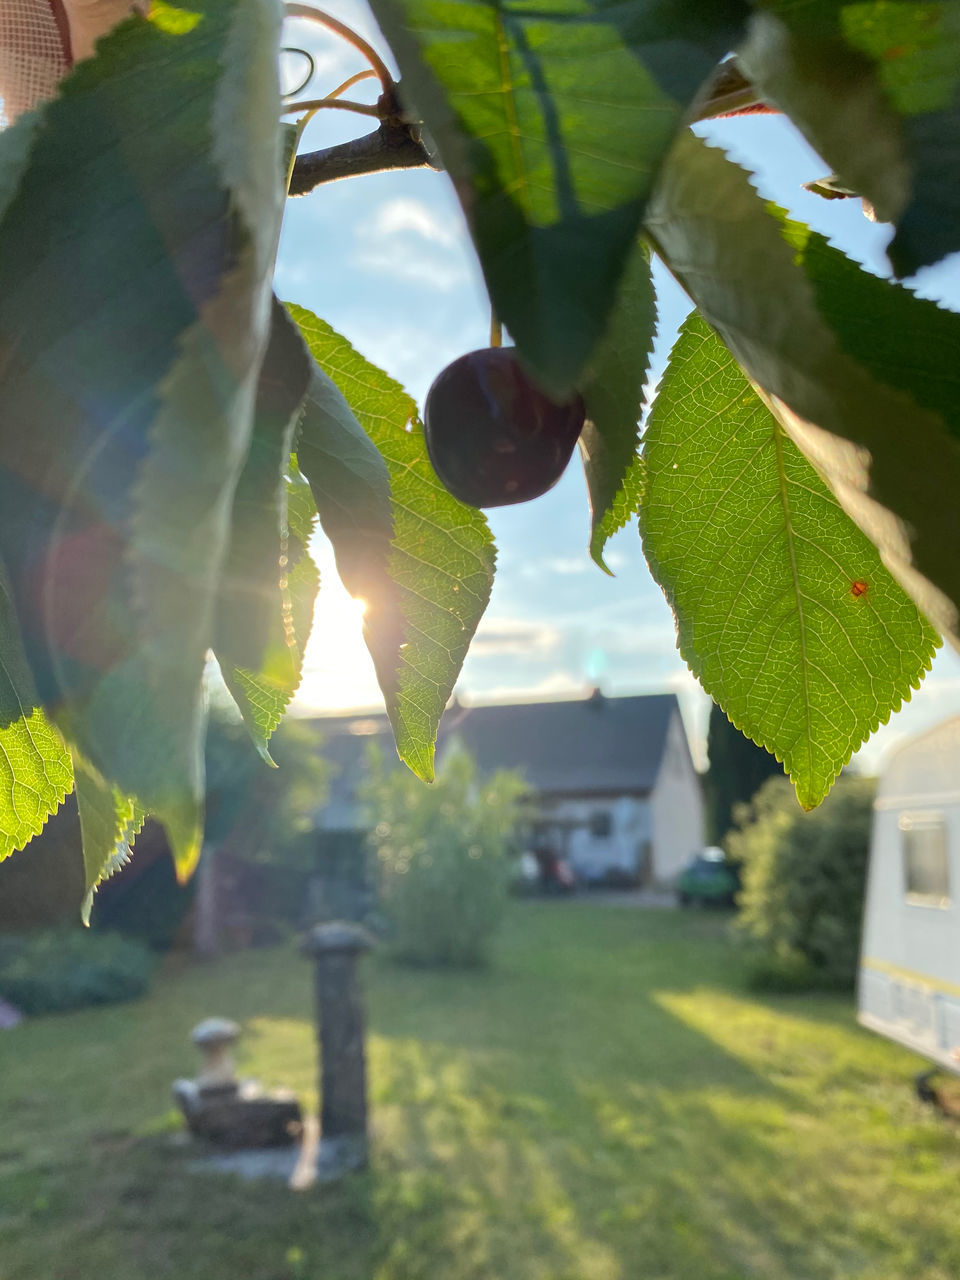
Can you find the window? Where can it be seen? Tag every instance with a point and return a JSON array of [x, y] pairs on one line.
[[601, 824], [925, 866]]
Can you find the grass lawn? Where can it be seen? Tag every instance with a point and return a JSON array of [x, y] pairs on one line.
[[606, 1103]]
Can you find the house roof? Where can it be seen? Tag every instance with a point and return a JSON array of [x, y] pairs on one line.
[[588, 745], [583, 746]]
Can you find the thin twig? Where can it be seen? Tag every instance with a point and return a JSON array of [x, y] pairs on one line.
[[311, 14]]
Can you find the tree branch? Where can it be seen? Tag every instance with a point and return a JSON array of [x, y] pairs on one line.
[[392, 146], [397, 144]]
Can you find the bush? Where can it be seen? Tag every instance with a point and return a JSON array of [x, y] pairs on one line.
[[443, 856], [788, 974], [67, 969], [804, 877]]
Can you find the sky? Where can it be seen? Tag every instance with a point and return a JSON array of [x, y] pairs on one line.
[[386, 259]]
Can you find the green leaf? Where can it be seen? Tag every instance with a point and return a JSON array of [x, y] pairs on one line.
[[16, 143], [553, 122], [303, 578], [268, 574], [109, 824], [830, 188], [834, 96], [784, 610], [350, 484], [350, 487], [612, 393], [201, 433], [35, 774], [908, 342], [730, 253], [874, 85], [916, 49], [134, 302], [424, 564]]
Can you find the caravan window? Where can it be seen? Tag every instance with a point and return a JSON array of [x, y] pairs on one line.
[[925, 870]]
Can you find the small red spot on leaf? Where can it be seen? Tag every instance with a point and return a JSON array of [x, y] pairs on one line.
[[858, 588]]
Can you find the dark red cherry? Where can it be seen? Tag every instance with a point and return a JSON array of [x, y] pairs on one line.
[[492, 435]]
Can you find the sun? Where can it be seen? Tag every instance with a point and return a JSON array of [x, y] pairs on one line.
[[337, 670]]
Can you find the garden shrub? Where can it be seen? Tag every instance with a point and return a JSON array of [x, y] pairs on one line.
[[56, 970], [788, 973], [804, 877], [443, 855]]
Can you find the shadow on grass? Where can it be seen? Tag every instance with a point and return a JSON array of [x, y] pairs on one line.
[[606, 1103]]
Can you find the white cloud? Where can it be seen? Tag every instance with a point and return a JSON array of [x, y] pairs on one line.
[[412, 264], [633, 640], [558, 685], [405, 239], [407, 215], [565, 566], [498, 636]]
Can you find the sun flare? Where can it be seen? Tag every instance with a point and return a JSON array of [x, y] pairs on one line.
[[337, 670]]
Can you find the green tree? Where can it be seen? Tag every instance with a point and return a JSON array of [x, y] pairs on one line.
[[171, 433], [804, 881], [259, 817], [738, 768], [263, 810], [443, 857]]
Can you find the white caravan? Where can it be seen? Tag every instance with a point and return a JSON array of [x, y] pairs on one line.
[[909, 986]]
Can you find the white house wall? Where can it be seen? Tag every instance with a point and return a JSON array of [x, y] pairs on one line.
[[595, 857], [676, 806]]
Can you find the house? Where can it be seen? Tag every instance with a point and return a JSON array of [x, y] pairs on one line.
[[613, 788], [909, 986]]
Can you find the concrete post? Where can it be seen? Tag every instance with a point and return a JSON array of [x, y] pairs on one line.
[[335, 948]]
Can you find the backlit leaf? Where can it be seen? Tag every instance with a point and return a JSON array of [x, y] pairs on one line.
[[134, 302], [109, 824], [553, 120], [35, 773], [784, 610], [875, 87], [424, 563], [734, 257], [256, 643], [612, 393]]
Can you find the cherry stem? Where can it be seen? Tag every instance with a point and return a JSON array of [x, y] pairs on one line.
[[496, 330], [294, 10], [311, 111], [350, 82], [311, 68], [318, 104]]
